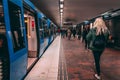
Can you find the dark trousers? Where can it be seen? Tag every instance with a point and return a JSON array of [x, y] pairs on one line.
[[97, 55], [86, 44]]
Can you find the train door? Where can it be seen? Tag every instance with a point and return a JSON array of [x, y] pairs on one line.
[[52, 31], [116, 21], [31, 35], [50, 35], [41, 33], [17, 43], [49, 31], [4, 55], [46, 34]]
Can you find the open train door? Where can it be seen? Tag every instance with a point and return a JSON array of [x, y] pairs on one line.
[[31, 26]]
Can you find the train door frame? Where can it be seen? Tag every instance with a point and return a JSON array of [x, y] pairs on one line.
[[31, 9], [49, 31], [52, 31], [46, 38], [41, 33]]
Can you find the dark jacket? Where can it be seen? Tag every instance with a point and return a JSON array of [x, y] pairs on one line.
[[91, 37]]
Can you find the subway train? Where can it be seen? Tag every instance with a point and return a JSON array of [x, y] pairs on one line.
[[112, 20], [25, 33]]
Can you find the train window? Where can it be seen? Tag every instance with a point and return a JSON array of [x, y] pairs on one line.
[[16, 27], [52, 28], [44, 22], [49, 31], [2, 24], [41, 28]]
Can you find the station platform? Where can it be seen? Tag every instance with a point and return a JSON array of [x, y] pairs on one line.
[[69, 60], [47, 66]]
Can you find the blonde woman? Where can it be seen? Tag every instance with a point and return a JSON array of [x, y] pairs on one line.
[[99, 28]]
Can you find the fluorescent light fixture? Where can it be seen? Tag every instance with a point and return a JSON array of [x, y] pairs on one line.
[[61, 10], [61, 5], [61, 0], [61, 13], [25, 15]]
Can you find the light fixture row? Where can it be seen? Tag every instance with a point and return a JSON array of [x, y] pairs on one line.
[[61, 6]]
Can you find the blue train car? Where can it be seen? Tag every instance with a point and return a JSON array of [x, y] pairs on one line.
[[49, 31], [32, 33], [54, 30], [41, 32], [25, 33], [13, 49], [46, 32]]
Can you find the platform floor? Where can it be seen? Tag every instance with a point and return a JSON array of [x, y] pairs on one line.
[[80, 62], [69, 60], [47, 66]]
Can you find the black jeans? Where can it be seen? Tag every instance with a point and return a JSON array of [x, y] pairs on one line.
[[97, 55]]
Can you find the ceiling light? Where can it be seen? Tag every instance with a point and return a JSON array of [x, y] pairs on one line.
[[61, 13], [61, 10], [61, 0], [61, 5]]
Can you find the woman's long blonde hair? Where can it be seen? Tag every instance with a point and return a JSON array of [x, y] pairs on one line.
[[100, 26]]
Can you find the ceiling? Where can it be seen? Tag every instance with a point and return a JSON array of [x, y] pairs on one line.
[[75, 11]]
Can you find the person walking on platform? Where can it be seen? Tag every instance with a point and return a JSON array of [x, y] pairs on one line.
[[69, 34], [99, 28], [74, 33], [59, 31], [85, 32], [79, 34]]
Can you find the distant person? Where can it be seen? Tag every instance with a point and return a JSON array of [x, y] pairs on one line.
[[99, 28], [74, 32], [79, 34], [66, 32], [62, 33], [69, 34], [85, 32], [111, 41], [59, 31]]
